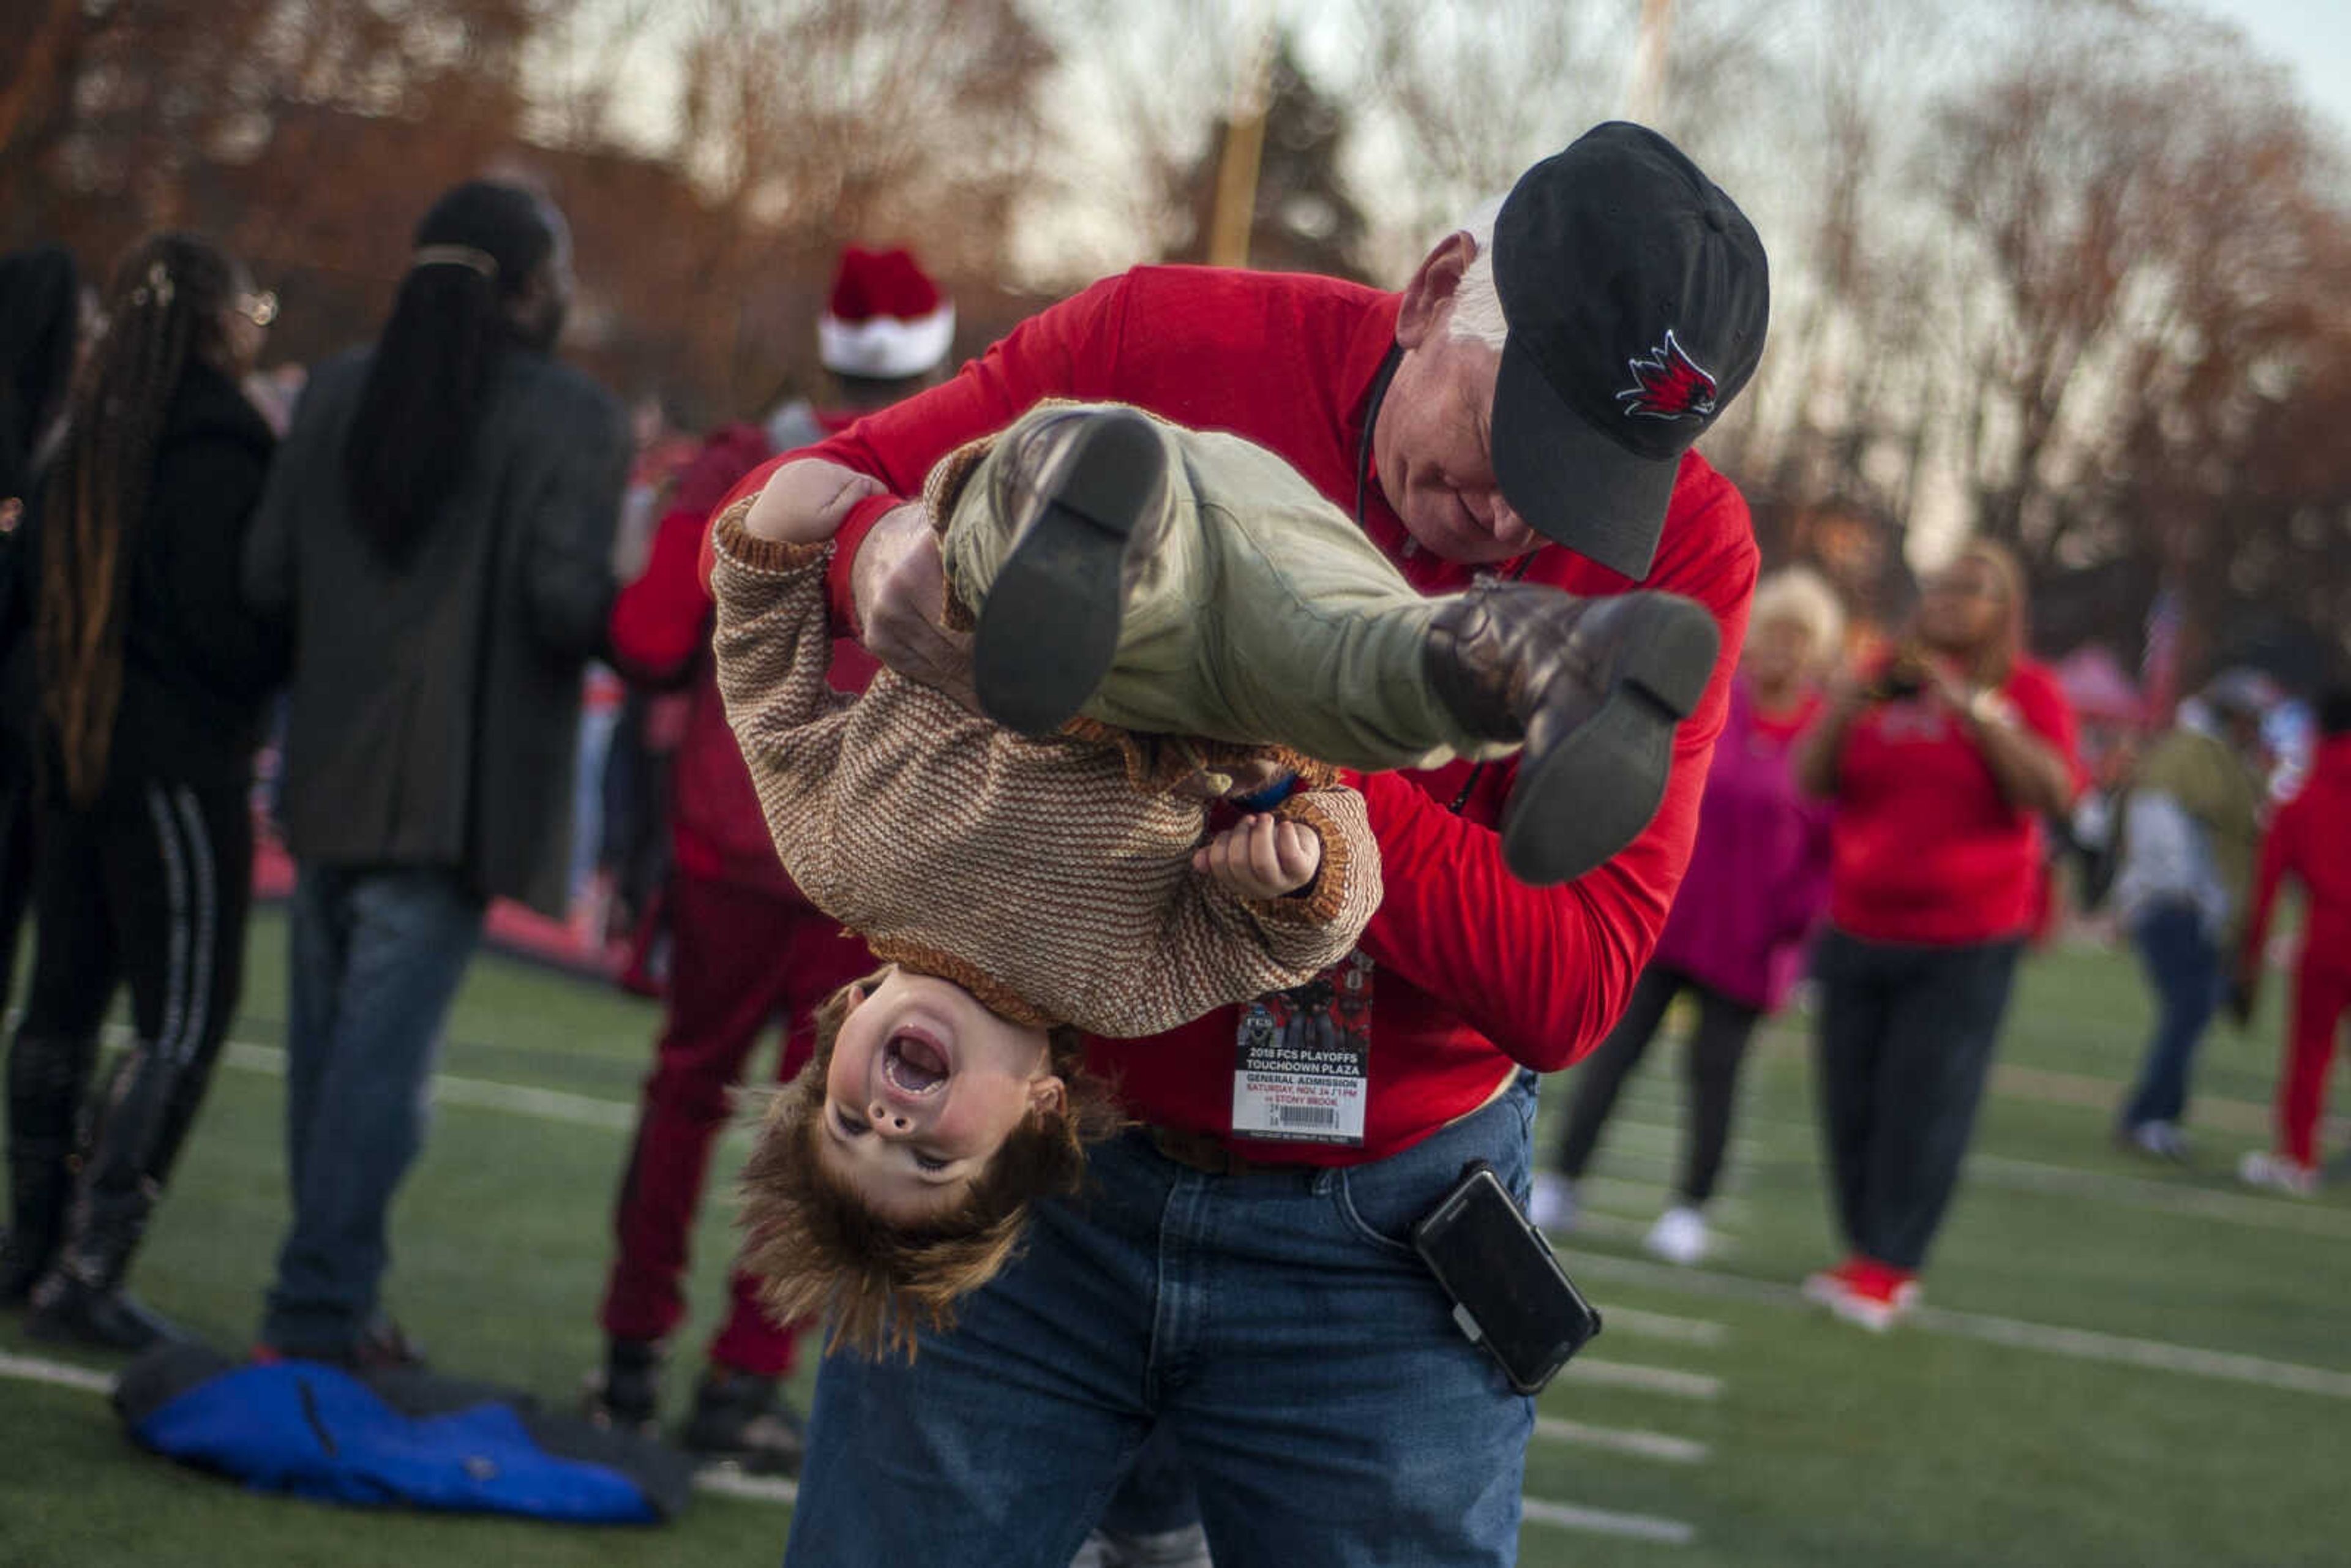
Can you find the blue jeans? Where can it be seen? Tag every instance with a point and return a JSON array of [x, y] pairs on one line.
[[375, 958], [2185, 967], [1277, 1327]]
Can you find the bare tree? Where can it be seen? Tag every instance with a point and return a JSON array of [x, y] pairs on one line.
[[810, 123]]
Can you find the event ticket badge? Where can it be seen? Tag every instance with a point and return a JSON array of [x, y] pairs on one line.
[[1301, 1059]]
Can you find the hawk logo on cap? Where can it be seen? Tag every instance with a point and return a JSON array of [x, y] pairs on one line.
[[1668, 384]]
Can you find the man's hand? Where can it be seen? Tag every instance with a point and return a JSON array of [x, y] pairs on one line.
[[900, 589], [805, 503], [1262, 857]]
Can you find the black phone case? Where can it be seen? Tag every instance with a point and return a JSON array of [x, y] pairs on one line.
[[1579, 1319]]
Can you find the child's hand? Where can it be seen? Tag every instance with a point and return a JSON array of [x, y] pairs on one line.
[[1262, 857], [806, 502]]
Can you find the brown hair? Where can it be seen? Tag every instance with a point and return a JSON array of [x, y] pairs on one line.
[[820, 1250], [1990, 663]]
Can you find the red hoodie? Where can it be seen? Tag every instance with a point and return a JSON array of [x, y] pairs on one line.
[[2311, 838]]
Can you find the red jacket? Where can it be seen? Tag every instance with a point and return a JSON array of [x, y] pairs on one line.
[[1474, 969], [661, 635], [2311, 838]]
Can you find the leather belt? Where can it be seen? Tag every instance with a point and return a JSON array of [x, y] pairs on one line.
[[1206, 1153]]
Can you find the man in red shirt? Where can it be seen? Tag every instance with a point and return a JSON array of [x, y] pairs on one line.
[[2310, 841], [1239, 1278]]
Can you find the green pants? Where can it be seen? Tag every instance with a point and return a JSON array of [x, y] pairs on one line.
[[1264, 616]]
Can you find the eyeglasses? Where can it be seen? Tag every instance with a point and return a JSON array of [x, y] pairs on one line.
[[261, 308], [1960, 586]]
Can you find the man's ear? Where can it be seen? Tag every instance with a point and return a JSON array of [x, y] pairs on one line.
[[1430, 293], [1048, 1095], [857, 994]]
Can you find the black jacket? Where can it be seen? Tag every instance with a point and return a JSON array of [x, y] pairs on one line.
[[197, 665], [435, 709]]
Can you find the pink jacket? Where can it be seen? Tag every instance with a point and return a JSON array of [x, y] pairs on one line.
[[1759, 876]]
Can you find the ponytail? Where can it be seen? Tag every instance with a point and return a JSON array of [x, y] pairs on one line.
[[427, 389]]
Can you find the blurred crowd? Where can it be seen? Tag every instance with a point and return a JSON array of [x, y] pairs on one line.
[[458, 594]]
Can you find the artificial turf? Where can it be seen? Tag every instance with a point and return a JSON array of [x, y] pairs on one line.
[[1929, 1445]]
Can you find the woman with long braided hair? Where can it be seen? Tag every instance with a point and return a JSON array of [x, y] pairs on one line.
[[151, 679]]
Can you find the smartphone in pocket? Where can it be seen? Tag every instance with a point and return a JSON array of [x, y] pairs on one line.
[[1509, 1293]]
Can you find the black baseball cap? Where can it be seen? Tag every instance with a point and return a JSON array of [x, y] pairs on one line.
[[1636, 295]]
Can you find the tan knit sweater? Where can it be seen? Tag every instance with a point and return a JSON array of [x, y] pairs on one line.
[[1035, 873]]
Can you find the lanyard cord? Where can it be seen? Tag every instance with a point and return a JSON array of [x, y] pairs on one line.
[[1379, 394], [1362, 483]]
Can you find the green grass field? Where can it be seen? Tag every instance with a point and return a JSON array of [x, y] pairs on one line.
[[2121, 1364]]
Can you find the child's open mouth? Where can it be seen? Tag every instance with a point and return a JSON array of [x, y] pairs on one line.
[[914, 1064]]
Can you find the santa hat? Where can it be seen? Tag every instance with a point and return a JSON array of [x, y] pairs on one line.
[[886, 318]]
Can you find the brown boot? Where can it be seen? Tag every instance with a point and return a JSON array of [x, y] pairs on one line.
[[1593, 687], [1088, 496]]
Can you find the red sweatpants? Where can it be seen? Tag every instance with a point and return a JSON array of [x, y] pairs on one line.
[[2322, 995], [739, 961]]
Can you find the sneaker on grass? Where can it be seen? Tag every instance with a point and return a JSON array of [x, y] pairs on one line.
[[624, 1394], [1679, 1236], [2277, 1173], [2157, 1140], [1864, 1291], [742, 1418], [1551, 1205]]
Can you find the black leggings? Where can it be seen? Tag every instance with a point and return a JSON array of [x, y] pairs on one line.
[[1710, 1065], [1905, 1043], [149, 887]]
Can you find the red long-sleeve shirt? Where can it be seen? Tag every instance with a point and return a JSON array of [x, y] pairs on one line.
[[660, 632], [2311, 838], [1474, 969]]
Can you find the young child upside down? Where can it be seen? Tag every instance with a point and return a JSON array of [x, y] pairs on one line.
[[1176, 617]]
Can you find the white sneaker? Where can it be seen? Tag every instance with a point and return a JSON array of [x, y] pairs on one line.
[[1679, 1236], [2279, 1174], [2159, 1141], [1551, 1205]]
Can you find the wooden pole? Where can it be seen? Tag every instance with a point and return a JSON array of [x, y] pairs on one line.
[[1645, 96], [1237, 169]]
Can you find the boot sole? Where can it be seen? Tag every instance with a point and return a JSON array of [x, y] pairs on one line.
[[1049, 629], [1599, 785]]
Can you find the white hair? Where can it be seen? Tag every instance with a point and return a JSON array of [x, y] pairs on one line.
[[1477, 305], [1802, 596]]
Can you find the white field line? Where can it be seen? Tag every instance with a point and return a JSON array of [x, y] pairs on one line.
[[1664, 1326], [2079, 1344], [2253, 1210], [1614, 1227], [2162, 1196], [1606, 1521], [2089, 1345], [56, 1373], [1536, 1511], [727, 1482], [1652, 1193], [1647, 1379], [1630, 1440], [480, 1093]]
